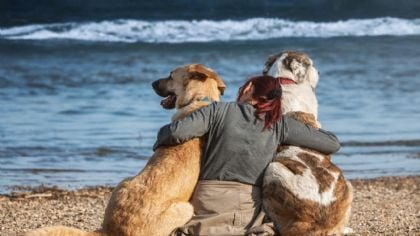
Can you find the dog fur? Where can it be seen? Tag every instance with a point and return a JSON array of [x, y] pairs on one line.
[[299, 68], [304, 193], [155, 201]]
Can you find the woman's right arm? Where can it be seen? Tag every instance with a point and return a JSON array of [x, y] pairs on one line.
[[194, 125], [298, 134]]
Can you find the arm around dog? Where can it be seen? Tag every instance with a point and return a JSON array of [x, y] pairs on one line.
[[194, 125], [299, 134]]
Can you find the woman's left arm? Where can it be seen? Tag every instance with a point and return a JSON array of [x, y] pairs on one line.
[[299, 134], [194, 125]]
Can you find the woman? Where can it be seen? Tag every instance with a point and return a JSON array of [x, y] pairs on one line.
[[242, 138]]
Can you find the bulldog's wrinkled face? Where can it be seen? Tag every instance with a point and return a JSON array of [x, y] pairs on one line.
[[293, 65], [174, 87]]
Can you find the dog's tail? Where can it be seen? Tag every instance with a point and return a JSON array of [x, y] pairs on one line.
[[62, 231]]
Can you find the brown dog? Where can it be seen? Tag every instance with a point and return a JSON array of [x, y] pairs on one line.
[[304, 193], [155, 201]]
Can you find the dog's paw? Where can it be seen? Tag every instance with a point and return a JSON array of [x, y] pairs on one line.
[[348, 230]]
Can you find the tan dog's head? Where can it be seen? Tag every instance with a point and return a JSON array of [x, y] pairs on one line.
[[189, 83], [293, 65]]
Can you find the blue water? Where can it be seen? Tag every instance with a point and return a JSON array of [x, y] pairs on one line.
[[77, 108]]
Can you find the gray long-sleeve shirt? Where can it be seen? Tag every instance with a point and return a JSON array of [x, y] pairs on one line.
[[237, 149]]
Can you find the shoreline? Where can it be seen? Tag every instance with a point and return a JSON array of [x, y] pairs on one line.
[[381, 206]]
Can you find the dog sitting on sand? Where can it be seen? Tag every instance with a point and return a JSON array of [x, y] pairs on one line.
[[155, 201], [304, 193]]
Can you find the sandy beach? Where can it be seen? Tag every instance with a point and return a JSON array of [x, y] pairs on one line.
[[78, 108], [382, 206]]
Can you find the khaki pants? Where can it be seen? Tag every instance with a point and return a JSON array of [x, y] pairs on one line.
[[226, 208]]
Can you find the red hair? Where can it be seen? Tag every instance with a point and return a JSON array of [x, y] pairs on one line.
[[267, 94]]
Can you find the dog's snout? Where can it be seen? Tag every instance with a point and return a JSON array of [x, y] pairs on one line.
[[160, 87], [155, 85]]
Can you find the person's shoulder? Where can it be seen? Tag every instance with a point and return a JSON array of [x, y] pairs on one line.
[[223, 107], [223, 104], [285, 119]]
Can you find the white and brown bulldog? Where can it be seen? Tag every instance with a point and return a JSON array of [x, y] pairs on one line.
[[304, 193]]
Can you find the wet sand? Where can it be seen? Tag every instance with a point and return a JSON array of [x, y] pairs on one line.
[[381, 206]]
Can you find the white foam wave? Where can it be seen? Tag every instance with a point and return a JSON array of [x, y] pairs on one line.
[[180, 31]]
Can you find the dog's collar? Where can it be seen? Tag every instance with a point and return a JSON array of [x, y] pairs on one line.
[[205, 99], [284, 80]]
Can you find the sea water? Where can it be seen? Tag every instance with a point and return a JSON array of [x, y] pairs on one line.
[[77, 107]]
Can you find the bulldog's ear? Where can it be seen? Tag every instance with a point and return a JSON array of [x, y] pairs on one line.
[[198, 71], [269, 62], [302, 67], [312, 76]]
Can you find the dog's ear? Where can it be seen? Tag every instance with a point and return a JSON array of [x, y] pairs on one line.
[[197, 75], [301, 66], [220, 84], [311, 73], [269, 62], [312, 76], [200, 72]]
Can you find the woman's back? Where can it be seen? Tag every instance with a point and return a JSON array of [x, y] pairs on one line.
[[237, 148]]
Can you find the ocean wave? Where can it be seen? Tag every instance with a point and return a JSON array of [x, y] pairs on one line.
[[182, 31]]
